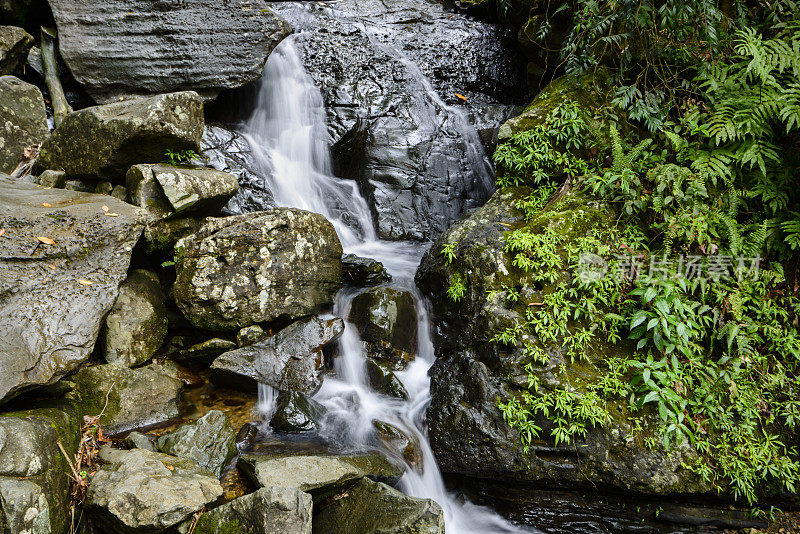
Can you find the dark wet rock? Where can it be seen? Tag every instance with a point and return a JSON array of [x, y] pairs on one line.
[[50, 178], [363, 272], [209, 441], [23, 120], [53, 299], [116, 49], [291, 360], [137, 440], [246, 436], [372, 507], [296, 412], [318, 474], [265, 511], [229, 151], [401, 443], [103, 142], [472, 373], [136, 326], [161, 236], [14, 45], [383, 380], [141, 491], [136, 397], [249, 335], [34, 491], [386, 320], [202, 353], [410, 145], [169, 191], [280, 264]]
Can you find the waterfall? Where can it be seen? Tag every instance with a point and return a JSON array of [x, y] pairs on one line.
[[288, 138]]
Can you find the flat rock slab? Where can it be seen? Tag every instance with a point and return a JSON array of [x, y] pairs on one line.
[[53, 297], [119, 48]]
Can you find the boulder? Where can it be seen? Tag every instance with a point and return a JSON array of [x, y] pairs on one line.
[[103, 142], [249, 335], [137, 324], [127, 398], [170, 191], [137, 440], [50, 178], [363, 272], [23, 120], [143, 491], [53, 297], [202, 353], [401, 444], [375, 508], [116, 49], [14, 46], [210, 442], [382, 379], [34, 491], [473, 373], [386, 320], [296, 412], [318, 474], [291, 360], [161, 236], [280, 264], [265, 511]]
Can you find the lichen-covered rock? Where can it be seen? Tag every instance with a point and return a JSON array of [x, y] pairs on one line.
[[291, 360], [23, 120], [363, 272], [141, 491], [210, 441], [119, 49], [386, 320], [137, 324], [473, 374], [14, 45], [136, 397], [265, 511], [103, 142], [34, 490], [53, 297], [258, 267], [375, 508], [296, 412]]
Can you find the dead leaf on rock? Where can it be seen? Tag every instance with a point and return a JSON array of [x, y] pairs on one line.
[[461, 97], [85, 282], [2, 232], [46, 205], [112, 215], [45, 240], [105, 208]]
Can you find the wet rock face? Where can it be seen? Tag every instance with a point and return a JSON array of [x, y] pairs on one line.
[[210, 442], [363, 272], [14, 45], [103, 142], [120, 48], [419, 162], [23, 121], [291, 360], [386, 320], [258, 267], [53, 299], [143, 491], [296, 412], [372, 507]]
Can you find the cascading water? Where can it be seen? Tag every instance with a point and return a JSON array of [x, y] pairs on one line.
[[288, 137]]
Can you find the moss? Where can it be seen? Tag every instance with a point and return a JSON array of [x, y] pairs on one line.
[[208, 524]]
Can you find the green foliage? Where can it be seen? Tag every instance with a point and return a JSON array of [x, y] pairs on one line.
[[180, 157], [457, 288]]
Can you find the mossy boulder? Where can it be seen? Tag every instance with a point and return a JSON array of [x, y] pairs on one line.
[[210, 441], [473, 373], [23, 120]]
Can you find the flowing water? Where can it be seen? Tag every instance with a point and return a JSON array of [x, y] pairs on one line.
[[287, 133]]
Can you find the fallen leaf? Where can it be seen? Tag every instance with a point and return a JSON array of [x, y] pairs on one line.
[[170, 467], [105, 208], [46, 205], [112, 215], [45, 240], [85, 282], [462, 97], [2, 231], [53, 267]]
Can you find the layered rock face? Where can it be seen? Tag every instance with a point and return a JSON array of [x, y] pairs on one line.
[[120, 48]]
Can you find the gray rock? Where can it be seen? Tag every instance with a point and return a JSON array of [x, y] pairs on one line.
[[103, 188], [53, 300], [291, 360], [375, 508], [14, 45], [79, 185], [137, 440], [258, 267], [24, 507], [137, 324], [249, 335], [203, 353], [50, 178], [143, 491], [118, 49], [161, 236], [383, 380], [363, 272], [386, 320], [210, 441], [136, 397], [23, 121], [296, 412], [103, 142], [265, 511], [120, 193]]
